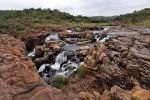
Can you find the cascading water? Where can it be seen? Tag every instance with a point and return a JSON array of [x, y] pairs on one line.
[[31, 54], [59, 60], [102, 37], [52, 37], [66, 62], [62, 65], [67, 69]]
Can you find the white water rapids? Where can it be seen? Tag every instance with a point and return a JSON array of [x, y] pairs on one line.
[[59, 60]]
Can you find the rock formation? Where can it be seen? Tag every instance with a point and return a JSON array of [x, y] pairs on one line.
[[118, 69], [121, 61], [19, 79]]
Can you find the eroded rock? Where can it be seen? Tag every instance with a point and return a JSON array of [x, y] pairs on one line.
[[19, 78]]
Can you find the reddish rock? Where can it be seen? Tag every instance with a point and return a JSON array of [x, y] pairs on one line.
[[119, 94], [89, 96], [19, 79], [141, 94]]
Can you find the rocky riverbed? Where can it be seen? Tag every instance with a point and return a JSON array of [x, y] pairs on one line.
[[116, 61]]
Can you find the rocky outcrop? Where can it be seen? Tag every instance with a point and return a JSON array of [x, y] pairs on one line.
[[47, 53], [19, 79], [79, 38], [32, 41], [117, 93], [116, 70], [120, 61], [131, 55]]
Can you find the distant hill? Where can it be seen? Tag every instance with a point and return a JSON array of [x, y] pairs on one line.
[[141, 17], [41, 14], [34, 20]]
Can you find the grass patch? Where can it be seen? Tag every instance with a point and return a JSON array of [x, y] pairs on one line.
[[2, 26], [81, 72], [143, 23], [137, 98], [19, 28], [60, 82]]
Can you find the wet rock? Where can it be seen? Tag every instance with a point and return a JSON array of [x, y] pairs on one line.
[[47, 58], [72, 48], [39, 52], [54, 45]]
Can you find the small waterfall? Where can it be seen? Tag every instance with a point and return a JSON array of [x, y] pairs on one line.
[[31, 54], [107, 28], [59, 60], [67, 69], [69, 31], [102, 37], [105, 38], [53, 37], [97, 37], [42, 68]]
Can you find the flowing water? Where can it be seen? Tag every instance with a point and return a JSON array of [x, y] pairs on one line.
[[67, 61], [59, 60], [52, 37]]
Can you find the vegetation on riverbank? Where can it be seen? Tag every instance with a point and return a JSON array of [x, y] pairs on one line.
[[35, 20], [29, 21], [60, 82], [141, 18]]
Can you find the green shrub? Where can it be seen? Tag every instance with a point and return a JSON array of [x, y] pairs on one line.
[[60, 82], [19, 28], [81, 72], [2, 26], [137, 98]]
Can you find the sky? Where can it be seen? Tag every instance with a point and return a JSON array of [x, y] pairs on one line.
[[80, 7]]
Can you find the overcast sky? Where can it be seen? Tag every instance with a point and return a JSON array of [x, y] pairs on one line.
[[80, 7]]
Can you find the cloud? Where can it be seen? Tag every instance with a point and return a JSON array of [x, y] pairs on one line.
[[80, 7]]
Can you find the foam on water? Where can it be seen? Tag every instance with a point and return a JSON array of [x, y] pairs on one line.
[[56, 66], [105, 38], [59, 60], [52, 37], [72, 67], [42, 68], [31, 54]]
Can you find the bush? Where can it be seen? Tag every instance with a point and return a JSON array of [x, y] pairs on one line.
[[2, 26], [19, 28], [60, 82], [81, 72], [137, 98]]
